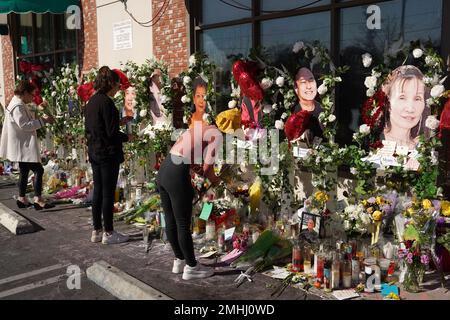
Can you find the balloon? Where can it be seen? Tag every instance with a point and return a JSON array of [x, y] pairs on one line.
[[296, 124], [228, 121], [124, 82], [238, 69], [86, 91], [250, 87]]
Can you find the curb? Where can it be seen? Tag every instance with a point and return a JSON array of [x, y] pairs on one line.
[[14, 222], [120, 284]]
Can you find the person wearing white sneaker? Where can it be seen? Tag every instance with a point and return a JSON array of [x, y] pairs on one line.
[[178, 265], [97, 236], [114, 237], [197, 272], [175, 188]]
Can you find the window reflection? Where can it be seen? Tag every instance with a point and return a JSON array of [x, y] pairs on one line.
[[219, 44], [279, 35], [215, 11], [267, 6]]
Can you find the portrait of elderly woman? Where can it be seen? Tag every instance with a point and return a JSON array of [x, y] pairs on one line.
[[306, 91], [406, 109]]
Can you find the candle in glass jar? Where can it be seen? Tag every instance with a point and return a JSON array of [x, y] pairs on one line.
[[347, 274], [210, 230], [297, 265], [320, 267]]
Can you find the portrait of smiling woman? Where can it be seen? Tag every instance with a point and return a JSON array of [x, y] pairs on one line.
[[406, 109]]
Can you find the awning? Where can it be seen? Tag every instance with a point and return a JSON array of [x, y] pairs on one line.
[[36, 6]]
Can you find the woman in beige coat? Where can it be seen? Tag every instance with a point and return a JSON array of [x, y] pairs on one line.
[[19, 142]]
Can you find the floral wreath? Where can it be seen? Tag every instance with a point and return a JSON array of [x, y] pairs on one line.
[[373, 109], [432, 65], [325, 156], [199, 66]]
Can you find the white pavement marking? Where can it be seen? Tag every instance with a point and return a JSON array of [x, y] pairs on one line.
[[33, 273], [32, 286]]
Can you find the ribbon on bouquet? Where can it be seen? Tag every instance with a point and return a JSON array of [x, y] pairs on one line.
[[377, 216]]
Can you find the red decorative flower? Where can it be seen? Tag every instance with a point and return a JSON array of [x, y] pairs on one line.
[[86, 91], [445, 118], [373, 109], [376, 145]]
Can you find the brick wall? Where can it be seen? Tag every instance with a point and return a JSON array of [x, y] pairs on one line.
[[8, 68], [171, 43], [87, 40]]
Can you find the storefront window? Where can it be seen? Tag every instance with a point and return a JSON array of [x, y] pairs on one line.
[[215, 11], [279, 35], [401, 22], [219, 44], [43, 39], [270, 6]]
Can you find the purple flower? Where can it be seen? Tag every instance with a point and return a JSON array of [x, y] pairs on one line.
[[437, 205], [440, 221], [424, 259], [371, 200], [409, 260], [409, 256]]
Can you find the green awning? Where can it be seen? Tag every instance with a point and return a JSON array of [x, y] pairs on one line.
[[36, 6]]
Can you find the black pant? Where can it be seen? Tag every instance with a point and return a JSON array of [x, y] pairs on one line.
[[105, 176], [38, 170], [175, 189]]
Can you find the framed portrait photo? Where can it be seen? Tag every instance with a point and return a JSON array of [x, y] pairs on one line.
[[310, 222]]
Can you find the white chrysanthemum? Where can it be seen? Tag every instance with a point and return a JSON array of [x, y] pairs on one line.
[[266, 83], [284, 115], [437, 91], [143, 113], [143, 78], [417, 53], [365, 218], [187, 80], [192, 60], [267, 109], [367, 60], [298, 46], [353, 171], [164, 99], [370, 92], [280, 81], [232, 104], [279, 125], [185, 99], [429, 60], [331, 118], [432, 122], [54, 94], [364, 129], [322, 89], [370, 82]]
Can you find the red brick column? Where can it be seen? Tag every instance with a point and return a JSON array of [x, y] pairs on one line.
[[171, 44], [87, 39], [8, 67]]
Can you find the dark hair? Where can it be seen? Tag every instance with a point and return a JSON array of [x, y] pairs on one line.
[[24, 86], [199, 82], [106, 80]]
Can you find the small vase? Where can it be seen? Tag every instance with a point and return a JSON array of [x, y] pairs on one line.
[[411, 282]]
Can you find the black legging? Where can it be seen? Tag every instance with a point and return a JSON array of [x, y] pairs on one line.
[[105, 176], [175, 189], [38, 170]]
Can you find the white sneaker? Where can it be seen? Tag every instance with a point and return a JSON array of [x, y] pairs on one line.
[[197, 272], [96, 236], [178, 265], [114, 238]]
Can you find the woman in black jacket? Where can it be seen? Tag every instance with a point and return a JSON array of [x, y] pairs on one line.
[[104, 140]]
